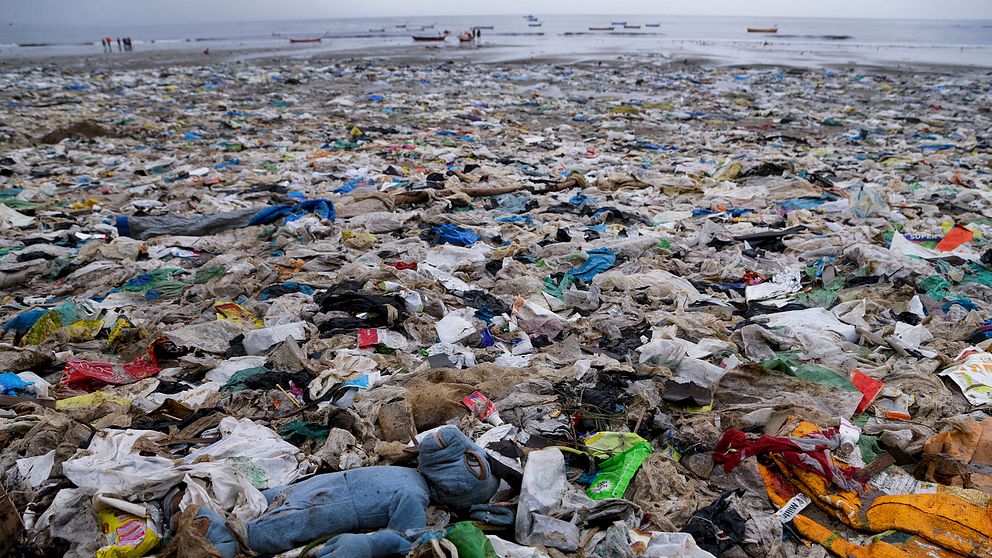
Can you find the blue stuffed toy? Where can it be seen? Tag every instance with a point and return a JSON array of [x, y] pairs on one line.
[[391, 501]]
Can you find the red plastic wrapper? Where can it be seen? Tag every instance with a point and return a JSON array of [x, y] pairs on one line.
[[868, 386], [368, 337], [403, 265], [81, 374], [479, 405]]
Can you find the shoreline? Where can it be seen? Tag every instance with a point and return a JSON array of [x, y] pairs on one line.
[[486, 54]]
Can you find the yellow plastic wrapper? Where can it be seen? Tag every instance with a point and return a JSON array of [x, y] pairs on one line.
[[90, 401], [358, 239], [604, 445], [84, 330], [233, 312], [128, 536], [123, 331]]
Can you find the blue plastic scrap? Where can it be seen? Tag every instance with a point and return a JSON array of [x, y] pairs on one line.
[[321, 207], [453, 234], [10, 383], [599, 260]]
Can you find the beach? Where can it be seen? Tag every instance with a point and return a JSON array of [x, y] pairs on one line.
[[630, 294]]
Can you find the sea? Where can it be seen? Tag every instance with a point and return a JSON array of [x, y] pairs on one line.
[[721, 40]]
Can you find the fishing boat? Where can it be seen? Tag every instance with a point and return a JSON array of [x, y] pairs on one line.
[[631, 26], [465, 37], [601, 29], [403, 26], [652, 25], [538, 24], [380, 30], [432, 38], [618, 22], [311, 40], [762, 29], [485, 27]]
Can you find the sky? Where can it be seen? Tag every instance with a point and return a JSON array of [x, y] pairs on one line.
[[84, 13]]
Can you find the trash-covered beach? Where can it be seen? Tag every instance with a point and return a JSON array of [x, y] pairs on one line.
[[379, 307]]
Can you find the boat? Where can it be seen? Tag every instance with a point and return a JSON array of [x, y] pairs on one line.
[[485, 27], [652, 25], [465, 37], [618, 22], [400, 26], [313, 40], [432, 38], [380, 30], [601, 29], [538, 24], [762, 29], [631, 26]]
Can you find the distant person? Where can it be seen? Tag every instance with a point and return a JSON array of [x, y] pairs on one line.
[[206, 51], [119, 49], [127, 44], [110, 45]]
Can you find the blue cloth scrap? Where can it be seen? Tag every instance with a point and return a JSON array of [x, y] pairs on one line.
[[599, 260], [21, 323], [453, 234], [321, 207]]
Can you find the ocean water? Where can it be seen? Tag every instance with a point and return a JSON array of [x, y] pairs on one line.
[[723, 39]]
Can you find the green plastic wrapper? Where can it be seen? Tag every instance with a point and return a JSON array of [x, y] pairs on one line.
[[616, 472], [470, 541]]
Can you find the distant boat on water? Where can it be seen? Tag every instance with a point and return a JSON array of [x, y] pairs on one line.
[[485, 27], [619, 22], [538, 24], [380, 30], [762, 29], [631, 26], [652, 25], [431, 38], [403, 26], [311, 40], [601, 29]]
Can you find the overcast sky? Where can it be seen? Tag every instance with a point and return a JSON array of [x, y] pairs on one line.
[[84, 13]]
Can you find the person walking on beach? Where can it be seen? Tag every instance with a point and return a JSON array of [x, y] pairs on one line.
[[119, 49]]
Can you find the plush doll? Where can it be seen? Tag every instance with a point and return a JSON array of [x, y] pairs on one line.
[[391, 501]]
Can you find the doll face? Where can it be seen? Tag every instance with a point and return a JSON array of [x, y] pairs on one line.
[[456, 469]]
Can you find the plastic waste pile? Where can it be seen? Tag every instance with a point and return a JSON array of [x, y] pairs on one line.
[[375, 309]]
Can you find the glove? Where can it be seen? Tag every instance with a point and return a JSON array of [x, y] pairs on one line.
[[375, 545]]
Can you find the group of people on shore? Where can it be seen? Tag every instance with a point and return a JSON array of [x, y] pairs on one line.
[[122, 44]]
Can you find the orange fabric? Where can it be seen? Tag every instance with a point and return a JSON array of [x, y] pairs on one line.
[[960, 526]]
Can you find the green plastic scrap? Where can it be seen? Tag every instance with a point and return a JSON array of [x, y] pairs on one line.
[[979, 274], [936, 286], [824, 297], [470, 541], [616, 472], [558, 291], [808, 372], [237, 381], [206, 274], [305, 429]]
